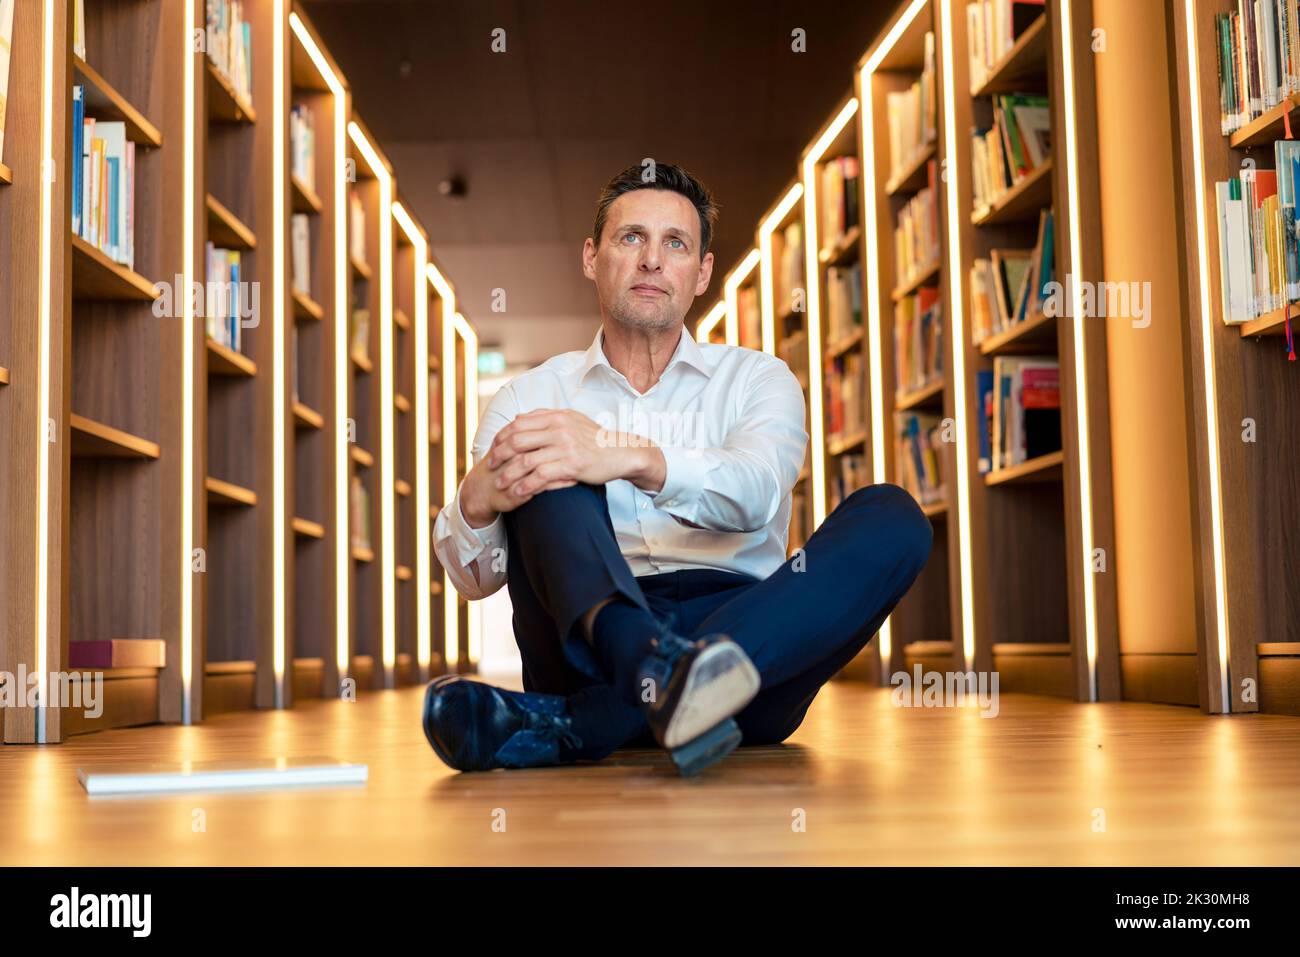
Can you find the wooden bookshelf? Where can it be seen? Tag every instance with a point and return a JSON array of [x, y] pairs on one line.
[[1025, 522], [409, 285], [96, 276], [927, 620], [6, 175], [319, 341], [1251, 380]]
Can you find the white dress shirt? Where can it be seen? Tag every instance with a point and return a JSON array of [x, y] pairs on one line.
[[730, 423]]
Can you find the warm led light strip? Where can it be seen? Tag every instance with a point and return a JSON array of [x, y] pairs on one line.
[[710, 322], [1080, 354], [278, 518], [959, 340], [43, 444], [388, 553], [342, 551], [188, 243], [470, 340], [766, 228], [450, 601], [812, 279], [1207, 354], [422, 529], [730, 290], [875, 320]]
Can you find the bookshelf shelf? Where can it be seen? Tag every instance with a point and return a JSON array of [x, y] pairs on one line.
[[935, 511], [362, 457], [224, 494], [305, 199], [1270, 324], [1021, 202], [837, 349], [1044, 468], [924, 277], [1031, 648], [402, 321], [361, 362], [1035, 334], [402, 487], [1266, 127], [931, 394], [435, 587], [305, 417], [104, 102], [225, 361], [306, 528], [404, 573], [838, 445], [843, 250], [96, 277], [224, 104], [4, 376], [362, 269], [226, 229], [307, 308], [401, 402], [6, 175], [361, 553], [1024, 67], [913, 176], [95, 440]]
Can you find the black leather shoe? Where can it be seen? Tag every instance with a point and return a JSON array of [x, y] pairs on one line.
[[474, 726], [690, 690]]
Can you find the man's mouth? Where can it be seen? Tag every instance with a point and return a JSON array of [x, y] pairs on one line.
[[648, 289]]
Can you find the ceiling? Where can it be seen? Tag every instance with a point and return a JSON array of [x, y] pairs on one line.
[[582, 90]]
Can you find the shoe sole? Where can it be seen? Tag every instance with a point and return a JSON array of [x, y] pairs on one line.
[[709, 748], [722, 680]]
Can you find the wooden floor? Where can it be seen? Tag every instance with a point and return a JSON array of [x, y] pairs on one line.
[[876, 785]]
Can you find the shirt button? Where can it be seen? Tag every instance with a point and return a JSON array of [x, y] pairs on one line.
[[644, 504]]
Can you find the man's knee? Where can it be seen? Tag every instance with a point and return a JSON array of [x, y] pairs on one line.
[[898, 519], [567, 504]]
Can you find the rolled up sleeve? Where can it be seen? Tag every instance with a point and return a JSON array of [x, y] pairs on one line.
[[475, 558]]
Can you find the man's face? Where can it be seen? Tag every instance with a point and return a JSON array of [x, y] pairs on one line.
[[647, 268]]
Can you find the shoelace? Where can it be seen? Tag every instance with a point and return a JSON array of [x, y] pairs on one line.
[[670, 646], [559, 725]]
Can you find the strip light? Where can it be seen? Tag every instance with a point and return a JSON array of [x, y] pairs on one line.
[[731, 289], [278, 492], [422, 529], [710, 322], [765, 231], [469, 338], [450, 601], [43, 374], [812, 279], [875, 320], [342, 553], [1080, 354], [1207, 356], [959, 340], [388, 553]]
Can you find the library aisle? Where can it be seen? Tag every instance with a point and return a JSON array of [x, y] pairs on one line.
[[1031, 268]]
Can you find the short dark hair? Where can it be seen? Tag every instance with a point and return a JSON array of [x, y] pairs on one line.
[[660, 176]]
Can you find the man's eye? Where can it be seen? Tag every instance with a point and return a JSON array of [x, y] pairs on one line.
[[676, 243], [630, 237]]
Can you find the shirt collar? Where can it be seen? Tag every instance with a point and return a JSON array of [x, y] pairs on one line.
[[687, 352]]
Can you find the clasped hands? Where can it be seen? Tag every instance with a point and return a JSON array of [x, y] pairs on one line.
[[554, 448]]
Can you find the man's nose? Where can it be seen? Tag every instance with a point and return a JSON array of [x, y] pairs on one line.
[[650, 257]]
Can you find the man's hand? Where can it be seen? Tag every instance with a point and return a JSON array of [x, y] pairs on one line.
[[562, 445]]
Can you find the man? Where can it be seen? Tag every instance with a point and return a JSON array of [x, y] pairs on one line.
[[635, 499]]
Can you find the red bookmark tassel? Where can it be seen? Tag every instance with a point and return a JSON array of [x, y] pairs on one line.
[[1286, 120]]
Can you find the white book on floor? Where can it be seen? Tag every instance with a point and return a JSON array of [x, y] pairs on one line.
[[175, 776]]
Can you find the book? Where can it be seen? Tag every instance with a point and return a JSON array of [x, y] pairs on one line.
[[992, 29], [302, 137], [1017, 142], [300, 244], [6, 44], [359, 332], [918, 340], [916, 234], [918, 456], [846, 406], [839, 198], [848, 474], [356, 228], [222, 320], [1026, 410], [1257, 49], [79, 28], [912, 115], [843, 303], [229, 43], [984, 411]]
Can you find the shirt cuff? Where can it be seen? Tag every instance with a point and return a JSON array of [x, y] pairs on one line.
[[684, 472], [471, 542]]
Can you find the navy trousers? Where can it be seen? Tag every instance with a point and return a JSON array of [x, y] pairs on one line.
[[800, 625]]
